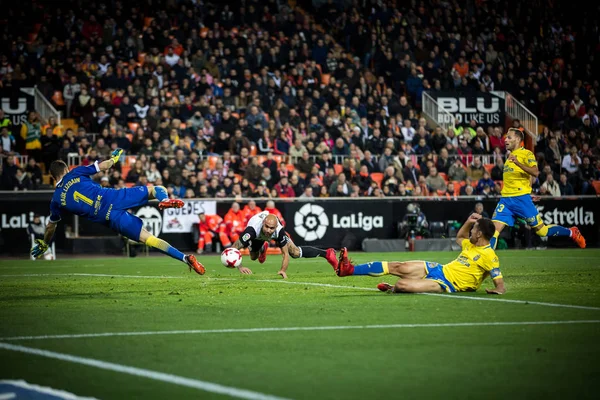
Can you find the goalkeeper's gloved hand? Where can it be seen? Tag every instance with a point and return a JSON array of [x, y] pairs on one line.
[[39, 248], [116, 154]]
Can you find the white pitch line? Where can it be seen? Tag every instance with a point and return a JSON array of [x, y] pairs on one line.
[[328, 285], [296, 328], [449, 296], [145, 373]]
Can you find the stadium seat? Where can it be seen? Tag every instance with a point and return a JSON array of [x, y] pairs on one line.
[[133, 126], [443, 175], [278, 159], [129, 136], [212, 161], [488, 168], [58, 99], [253, 150], [596, 185], [261, 160], [290, 167], [338, 168], [377, 177]]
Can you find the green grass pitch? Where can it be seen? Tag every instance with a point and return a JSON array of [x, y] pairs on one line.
[[530, 343]]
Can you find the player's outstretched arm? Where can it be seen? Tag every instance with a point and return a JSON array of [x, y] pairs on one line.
[[114, 158], [463, 232], [41, 246], [499, 287], [285, 261], [243, 270]]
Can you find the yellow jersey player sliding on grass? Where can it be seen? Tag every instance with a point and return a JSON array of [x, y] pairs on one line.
[[77, 193], [516, 194], [476, 261]]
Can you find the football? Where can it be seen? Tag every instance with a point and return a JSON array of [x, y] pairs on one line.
[[231, 257]]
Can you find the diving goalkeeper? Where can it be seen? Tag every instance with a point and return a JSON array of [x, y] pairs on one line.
[[76, 193]]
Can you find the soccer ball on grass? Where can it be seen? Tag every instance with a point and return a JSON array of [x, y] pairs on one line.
[[231, 257]]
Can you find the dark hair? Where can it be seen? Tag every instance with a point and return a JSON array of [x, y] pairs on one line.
[[487, 228], [57, 169], [518, 132]]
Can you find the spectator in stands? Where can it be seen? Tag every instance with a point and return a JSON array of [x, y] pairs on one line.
[[22, 181], [476, 169], [410, 173], [434, 181], [34, 172], [7, 141], [478, 209], [485, 180], [550, 187], [498, 170], [31, 132], [340, 187], [457, 171], [284, 189], [9, 171], [565, 188]]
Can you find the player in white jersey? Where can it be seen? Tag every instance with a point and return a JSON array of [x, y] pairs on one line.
[[264, 227]]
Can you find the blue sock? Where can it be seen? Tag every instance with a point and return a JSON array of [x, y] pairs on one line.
[[375, 268], [160, 193], [557, 230]]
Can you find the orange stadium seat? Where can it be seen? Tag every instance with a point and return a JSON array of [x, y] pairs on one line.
[[212, 161], [377, 177], [443, 175], [338, 168], [488, 168], [596, 185]]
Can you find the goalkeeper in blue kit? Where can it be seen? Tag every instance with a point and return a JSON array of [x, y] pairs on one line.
[[77, 193]]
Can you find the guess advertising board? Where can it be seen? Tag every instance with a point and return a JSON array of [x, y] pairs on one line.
[[485, 108], [181, 219]]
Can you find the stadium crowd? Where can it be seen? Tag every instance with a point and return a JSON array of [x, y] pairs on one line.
[[259, 99]]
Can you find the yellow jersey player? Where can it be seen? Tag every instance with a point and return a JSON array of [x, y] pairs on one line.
[[476, 261], [516, 198]]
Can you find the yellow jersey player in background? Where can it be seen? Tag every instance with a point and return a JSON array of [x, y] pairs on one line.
[[476, 261], [516, 199]]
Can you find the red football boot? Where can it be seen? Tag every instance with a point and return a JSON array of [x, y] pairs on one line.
[[577, 237], [385, 287], [331, 258], [262, 254], [345, 267], [170, 203], [194, 264]]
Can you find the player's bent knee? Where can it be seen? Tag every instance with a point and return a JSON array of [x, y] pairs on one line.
[[541, 230], [253, 255]]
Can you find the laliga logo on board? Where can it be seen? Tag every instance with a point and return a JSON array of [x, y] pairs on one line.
[[151, 218], [311, 222]]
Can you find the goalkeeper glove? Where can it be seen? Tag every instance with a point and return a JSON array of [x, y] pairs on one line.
[[39, 248], [115, 155]]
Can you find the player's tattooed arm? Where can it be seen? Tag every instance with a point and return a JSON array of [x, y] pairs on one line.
[[237, 245], [49, 232]]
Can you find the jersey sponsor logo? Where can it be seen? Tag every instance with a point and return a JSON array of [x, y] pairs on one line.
[[311, 222], [151, 218], [577, 216], [477, 257]]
